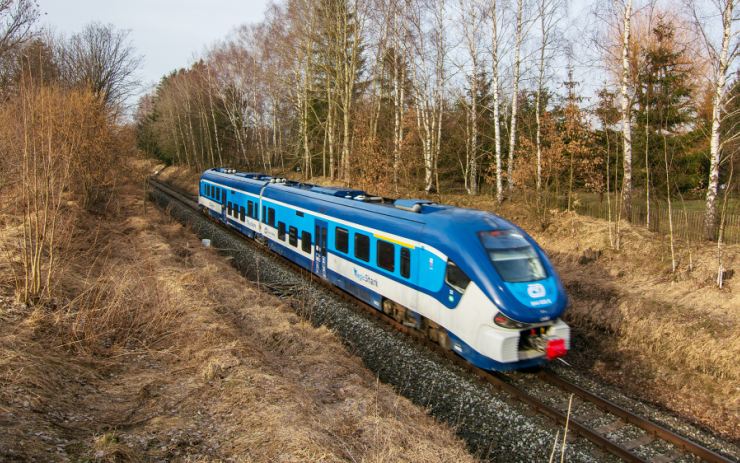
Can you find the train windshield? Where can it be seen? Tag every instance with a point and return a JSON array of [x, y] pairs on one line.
[[513, 257]]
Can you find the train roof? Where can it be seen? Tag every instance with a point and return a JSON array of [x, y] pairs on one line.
[[420, 211]]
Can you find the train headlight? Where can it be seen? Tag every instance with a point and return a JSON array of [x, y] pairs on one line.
[[505, 322]]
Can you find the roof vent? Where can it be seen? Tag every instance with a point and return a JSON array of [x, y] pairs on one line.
[[411, 205]]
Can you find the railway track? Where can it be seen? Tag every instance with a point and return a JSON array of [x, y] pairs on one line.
[[606, 424]]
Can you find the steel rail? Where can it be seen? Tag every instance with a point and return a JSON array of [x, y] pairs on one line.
[[648, 426], [498, 380]]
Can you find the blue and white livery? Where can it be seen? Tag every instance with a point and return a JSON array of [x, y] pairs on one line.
[[472, 281]]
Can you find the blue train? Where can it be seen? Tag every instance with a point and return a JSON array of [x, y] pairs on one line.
[[470, 280]]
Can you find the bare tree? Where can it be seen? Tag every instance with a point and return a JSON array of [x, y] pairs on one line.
[[398, 37], [626, 114], [721, 58], [102, 59], [17, 18], [519, 36], [548, 18], [350, 22], [428, 79], [495, 73], [472, 19]]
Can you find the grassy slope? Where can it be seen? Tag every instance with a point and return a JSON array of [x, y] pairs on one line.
[[160, 350]]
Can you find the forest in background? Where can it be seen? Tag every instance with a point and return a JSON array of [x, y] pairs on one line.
[[474, 96], [398, 97]]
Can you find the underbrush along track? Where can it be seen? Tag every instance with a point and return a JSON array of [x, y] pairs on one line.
[[619, 432]]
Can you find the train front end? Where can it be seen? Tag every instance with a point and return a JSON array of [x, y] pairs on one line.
[[512, 307]]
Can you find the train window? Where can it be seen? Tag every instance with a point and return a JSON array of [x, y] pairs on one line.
[[223, 196], [281, 231], [299, 213], [455, 277], [250, 209], [241, 213], [229, 207], [513, 257], [264, 214], [341, 240], [271, 217], [362, 247], [208, 190], [306, 241], [405, 262], [386, 255], [293, 236]]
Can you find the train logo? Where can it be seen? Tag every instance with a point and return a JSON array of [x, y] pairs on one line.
[[536, 291], [365, 278]]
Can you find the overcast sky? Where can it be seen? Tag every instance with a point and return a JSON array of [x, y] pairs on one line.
[[168, 33]]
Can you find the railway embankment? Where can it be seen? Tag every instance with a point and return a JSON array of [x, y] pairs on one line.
[[666, 338], [158, 350], [629, 437], [494, 426]]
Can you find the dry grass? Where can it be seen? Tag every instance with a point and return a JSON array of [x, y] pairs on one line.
[[159, 350]]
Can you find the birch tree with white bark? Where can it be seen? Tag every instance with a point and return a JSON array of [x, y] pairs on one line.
[[722, 54], [495, 17], [518, 39], [472, 16], [626, 106], [427, 20]]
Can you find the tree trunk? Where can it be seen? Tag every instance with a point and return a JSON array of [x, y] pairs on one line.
[[540, 83], [626, 117], [515, 94], [496, 101], [710, 215]]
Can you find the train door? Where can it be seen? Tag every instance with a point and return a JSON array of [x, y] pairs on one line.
[[320, 249], [224, 217]]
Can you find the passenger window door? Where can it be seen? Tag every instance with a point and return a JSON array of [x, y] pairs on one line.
[[405, 262], [456, 278], [293, 236], [362, 247]]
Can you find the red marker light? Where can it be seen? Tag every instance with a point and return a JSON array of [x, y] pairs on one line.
[[555, 348]]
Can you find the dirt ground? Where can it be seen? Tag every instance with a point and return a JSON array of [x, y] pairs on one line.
[[157, 350], [667, 338]]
